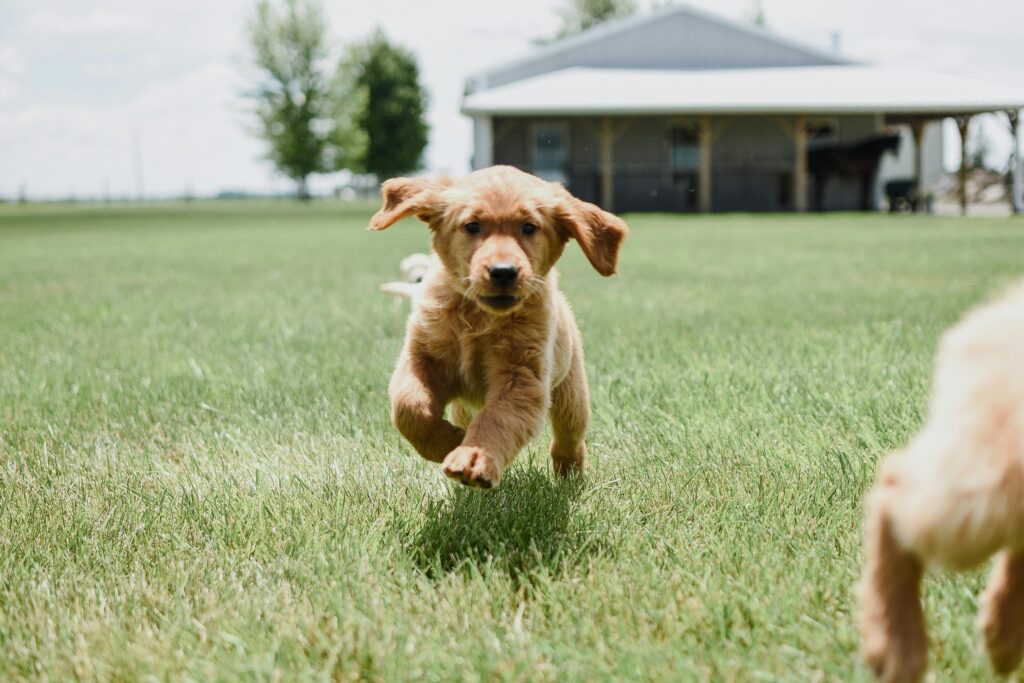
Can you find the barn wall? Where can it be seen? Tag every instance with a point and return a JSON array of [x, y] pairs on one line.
[[510, 143], [751, 165], [752, 162]]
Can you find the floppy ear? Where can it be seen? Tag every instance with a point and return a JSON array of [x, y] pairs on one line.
[[599, 233], [405, 197]]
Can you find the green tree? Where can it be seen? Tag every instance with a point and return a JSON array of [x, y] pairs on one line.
[[979, 148], [383, 83], [755, 13], [307, 131], [580, 15]]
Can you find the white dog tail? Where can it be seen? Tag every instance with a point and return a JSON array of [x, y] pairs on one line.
[[403, 290]]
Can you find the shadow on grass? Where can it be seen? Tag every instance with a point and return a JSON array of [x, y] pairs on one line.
[[529, 525]]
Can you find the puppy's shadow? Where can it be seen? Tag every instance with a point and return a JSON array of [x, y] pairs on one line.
[[530, 524]]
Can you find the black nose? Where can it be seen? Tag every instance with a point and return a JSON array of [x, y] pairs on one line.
[[504, 274]]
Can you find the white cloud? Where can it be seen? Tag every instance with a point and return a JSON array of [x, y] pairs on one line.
[[12, 63], [12, 66], [51, 23], [191, 131]]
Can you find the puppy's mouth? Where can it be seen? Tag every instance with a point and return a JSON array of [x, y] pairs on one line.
[[500, 302]]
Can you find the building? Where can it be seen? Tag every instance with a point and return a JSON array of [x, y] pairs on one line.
[[681, 110]]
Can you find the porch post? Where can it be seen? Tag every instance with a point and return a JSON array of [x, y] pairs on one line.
[[1017, 201], [607, 139], [483, 142], [963, 124], [704, 179], [917, 128], [800, 165]]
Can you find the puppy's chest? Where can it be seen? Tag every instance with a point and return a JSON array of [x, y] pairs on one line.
[[482, 359], [471, 363]]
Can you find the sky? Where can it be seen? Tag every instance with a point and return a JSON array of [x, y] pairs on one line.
[[88, 86]]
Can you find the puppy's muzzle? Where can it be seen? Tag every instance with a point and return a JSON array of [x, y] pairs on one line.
[[504, 283]]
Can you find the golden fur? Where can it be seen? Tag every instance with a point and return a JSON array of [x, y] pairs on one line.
[[954, 496], [503, 353]]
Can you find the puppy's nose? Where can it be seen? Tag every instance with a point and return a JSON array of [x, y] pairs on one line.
[[503, 274]]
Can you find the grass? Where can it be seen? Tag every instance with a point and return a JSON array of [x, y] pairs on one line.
[[198, 479]]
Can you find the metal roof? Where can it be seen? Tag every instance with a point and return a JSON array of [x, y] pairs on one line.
[[605, 30], [843, 89]]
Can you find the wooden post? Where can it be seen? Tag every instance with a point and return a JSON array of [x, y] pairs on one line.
[[1017, 200], [917, 128], [483, 142], [800, 165], [704, 179], [963, 124], [607, 138]]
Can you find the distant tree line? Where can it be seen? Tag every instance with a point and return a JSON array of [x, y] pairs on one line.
[[580, 15], [366, 113]]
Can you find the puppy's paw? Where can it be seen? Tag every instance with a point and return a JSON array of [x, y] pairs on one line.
[[1002, 626], [568, 462], [896, 658], [473, 467]]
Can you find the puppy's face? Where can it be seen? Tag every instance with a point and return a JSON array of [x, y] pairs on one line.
[[499, 231]]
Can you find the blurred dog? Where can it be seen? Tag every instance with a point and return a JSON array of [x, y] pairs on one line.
[[954, 496], [414, 268], [492, 334]]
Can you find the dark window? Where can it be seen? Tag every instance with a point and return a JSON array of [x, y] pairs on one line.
[[550, 150], [685, 150]]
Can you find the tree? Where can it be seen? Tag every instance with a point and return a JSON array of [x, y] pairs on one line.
[[305, 129], [756, 15], [382, 83], [583, 14], [980, 147]]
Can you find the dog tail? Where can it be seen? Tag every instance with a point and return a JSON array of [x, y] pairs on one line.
[[403, 290]]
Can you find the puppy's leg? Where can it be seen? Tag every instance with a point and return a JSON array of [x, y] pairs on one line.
[[570, 415], [1002, 613], [891, 616], [417, 410], [511, 416]]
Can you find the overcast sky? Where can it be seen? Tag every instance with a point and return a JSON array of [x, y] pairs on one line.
[[80, 78]]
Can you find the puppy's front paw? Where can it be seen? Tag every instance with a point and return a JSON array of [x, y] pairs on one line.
[[895, 656], [472, 466]]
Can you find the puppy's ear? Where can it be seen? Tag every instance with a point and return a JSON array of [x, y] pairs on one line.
[[599, 233], [404, 197]]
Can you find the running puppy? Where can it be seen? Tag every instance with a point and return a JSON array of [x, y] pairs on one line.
[[954, 496], [492, 335]]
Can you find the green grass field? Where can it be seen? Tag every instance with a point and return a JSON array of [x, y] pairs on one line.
[[198, 479]]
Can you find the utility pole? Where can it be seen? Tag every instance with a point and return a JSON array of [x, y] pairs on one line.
[[1017, 184]]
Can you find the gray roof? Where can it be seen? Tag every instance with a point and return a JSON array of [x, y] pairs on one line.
[[675, 37]]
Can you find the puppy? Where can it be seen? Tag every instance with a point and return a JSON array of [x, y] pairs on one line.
[[414, 268], [493, 336], [954, 496]]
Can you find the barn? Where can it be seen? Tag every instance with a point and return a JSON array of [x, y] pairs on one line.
[[681, 110]]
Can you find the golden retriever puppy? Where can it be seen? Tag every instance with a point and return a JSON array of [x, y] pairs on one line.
[[492, 334], [954, 496]]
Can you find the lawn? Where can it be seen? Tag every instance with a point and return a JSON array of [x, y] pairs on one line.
[[198, 479]]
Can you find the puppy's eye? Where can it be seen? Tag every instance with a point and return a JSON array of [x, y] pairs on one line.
[[473, 228], [529, 229]]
